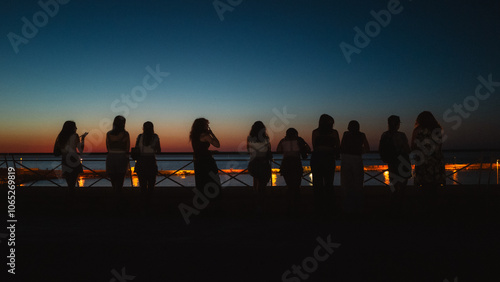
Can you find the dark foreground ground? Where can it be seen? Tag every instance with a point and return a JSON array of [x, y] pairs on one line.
[[93, 237]]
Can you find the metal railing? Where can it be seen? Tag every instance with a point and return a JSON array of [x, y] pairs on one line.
[[29, 175]]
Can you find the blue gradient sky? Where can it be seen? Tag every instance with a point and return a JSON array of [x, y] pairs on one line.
[[264, 55]]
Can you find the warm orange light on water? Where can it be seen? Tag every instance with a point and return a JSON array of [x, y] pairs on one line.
[[386, 177]]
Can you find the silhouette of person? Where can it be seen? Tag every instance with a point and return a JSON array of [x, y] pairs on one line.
[[426, 142], [394, 150], [149, 144], [206, 172], [69, 145], [117, 160], [259, 166], [326, 148], [352, 147], [293, 148]]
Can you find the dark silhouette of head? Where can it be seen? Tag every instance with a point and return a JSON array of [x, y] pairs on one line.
[[393, 122], [200, 126], [118, 125], [326, 123], [353, 126], [258, 132], [426, 120], [291, 133], [147, 133], [68, 129]]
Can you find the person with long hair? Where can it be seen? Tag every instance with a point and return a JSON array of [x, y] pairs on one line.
[[354, 144], [117, 160], [206, 172], [293, 148], [426, 143], [326, 148], [259, 166], [146, 168], [69, 145]]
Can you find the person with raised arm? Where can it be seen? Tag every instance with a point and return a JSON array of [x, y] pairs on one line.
[[206, 172], [69, 146]]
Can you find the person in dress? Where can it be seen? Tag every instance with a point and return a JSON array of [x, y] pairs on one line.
[[259, 166], [426, 143], [293, 149], [206, 172], [69, 146], [146, 167], [354, 144], [326, 148], [117, 159]]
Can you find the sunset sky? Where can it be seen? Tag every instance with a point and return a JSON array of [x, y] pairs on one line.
[[280, 62]]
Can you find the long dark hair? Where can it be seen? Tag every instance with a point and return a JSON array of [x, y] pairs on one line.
[[258, 132], [353, 126], [148, 132], [200, 125], [326, 124], [426, 120], [68, 129], [118, 125]]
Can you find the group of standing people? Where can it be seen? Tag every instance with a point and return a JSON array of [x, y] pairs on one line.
[[326, 149]]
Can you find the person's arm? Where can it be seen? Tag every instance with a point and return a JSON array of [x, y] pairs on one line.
[[137, 144], [158, 147], [366, 146], [210, 138], [304, 148], [279, 149], [269, 153], [313, 138], [81, 144], [127, 140], [342, 143], [337, 143]]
